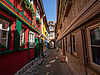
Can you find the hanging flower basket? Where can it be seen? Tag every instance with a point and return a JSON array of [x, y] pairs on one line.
[[21, 8], [33, 13], [29, 6]]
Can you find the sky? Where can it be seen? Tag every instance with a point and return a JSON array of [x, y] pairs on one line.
[[50, 9]]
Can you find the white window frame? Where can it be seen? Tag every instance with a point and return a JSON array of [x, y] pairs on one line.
[[30, 40], [22, 37], [7, 30], [94, 65], [37, 13]]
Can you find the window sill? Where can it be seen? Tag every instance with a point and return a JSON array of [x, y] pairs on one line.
[[94, 67], [31, 47], [21, 49], [25, 48]]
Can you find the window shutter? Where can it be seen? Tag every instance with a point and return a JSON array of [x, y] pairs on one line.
[[17, 35]]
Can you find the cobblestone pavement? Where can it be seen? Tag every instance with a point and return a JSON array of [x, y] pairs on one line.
[[49, 65], [52, 65]]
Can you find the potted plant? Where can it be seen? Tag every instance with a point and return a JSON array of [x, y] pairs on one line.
[[2, 47], [33, 14], [22, 45], [38, 21]]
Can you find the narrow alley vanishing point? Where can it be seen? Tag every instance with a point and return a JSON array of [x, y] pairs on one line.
[[53, 66]]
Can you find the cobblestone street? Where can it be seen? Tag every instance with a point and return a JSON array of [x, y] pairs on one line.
[[49, 37], [52, 65]]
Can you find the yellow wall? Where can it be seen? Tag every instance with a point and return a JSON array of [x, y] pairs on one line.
[[44, 47], [43, 32]]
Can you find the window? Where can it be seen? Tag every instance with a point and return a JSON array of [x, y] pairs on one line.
[[4, 29], [74, 43], [22, 37], [94, 44], [60, 44], [31, 39], [66, 42], [95, 36], [69, 43], [37, 13], [63, 47]]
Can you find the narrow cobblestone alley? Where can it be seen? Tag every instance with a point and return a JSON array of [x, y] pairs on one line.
[[52, 65], [49, 37]]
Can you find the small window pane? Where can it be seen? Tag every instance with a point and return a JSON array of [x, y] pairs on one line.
[[3, 34], [32, 44], [4, 42], [95, 36], [22, 36], [4, 28], [74, 47], [74, 43], [60, 44], [73, 38], [96, 55]]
